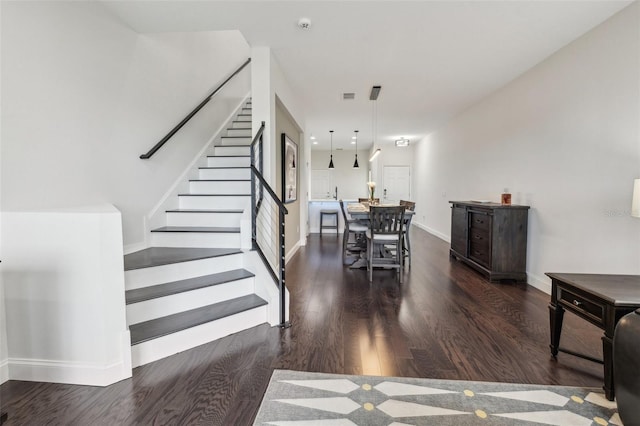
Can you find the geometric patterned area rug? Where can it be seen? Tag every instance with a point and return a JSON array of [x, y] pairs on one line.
[[319, 399]]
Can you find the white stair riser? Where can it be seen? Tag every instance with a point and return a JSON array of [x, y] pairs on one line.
[[162, 347], [212, 202], [219, 187], [169, 305], [232, 150], [196, 239], [235, 141], [144, 277], [239, 173], [240, 124], [229, 161], [203, 219], [240, 131]]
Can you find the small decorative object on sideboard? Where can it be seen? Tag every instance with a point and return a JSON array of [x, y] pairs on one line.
[[505, 198]]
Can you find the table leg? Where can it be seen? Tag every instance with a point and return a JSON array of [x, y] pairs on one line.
[[556, 315], [607, 356]]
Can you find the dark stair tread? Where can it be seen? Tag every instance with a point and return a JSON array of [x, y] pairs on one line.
[[204, 211], [234, 146], [206, 229], [214, 195], [219, 180], [239, 128], [158, 256], [229, 156], [236, 137], [164, 326], [175, 287]]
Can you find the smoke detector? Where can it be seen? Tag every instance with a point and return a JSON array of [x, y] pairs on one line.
[[304, 23]]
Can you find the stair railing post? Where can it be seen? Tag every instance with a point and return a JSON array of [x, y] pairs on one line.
[[254, 217], [283, 316]]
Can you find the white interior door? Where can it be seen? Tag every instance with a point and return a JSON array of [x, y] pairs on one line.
[[396, 184], [321, 184]]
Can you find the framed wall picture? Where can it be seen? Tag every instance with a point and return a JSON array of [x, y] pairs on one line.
[[289, 170]]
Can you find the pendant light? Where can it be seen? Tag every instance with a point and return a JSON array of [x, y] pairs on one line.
[[375, 92], [355, 163], [331, 160]]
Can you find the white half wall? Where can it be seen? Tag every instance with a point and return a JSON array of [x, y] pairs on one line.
[[268, 82], [84, 95], [63, 279], [564, 139]]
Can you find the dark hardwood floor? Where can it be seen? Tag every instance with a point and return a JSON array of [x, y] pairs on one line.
[[445, 321]]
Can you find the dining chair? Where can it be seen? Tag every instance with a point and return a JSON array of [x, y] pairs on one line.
[[351, 226], [384, 239], [406, 243]]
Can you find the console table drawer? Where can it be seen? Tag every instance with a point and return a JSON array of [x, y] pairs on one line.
[[479, 238], [581, 305], [480, 253], [480, 221]]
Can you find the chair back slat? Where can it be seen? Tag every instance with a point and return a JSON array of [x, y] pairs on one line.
[[344, 215], [410, 205], [386, 220]]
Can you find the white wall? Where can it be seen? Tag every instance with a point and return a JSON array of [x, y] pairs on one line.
[[84, 96], [564, 139], [268, 82], [63, 279]]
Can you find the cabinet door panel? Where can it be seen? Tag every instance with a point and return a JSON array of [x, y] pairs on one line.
[[459, 230]]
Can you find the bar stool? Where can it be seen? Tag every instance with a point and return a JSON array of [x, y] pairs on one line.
[[329, 213]]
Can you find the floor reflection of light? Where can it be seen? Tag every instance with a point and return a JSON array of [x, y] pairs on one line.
[[368, 353]]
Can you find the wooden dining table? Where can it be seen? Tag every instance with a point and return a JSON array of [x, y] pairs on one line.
[[360, 211]]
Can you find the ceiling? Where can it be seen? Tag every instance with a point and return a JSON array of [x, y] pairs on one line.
[[433, 59]]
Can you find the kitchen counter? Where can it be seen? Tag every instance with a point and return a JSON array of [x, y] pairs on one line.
[[316, 205]]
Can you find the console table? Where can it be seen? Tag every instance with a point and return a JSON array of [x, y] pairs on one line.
[[600, 299], [491, 238]]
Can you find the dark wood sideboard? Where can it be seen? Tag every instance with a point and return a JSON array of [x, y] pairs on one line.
[[491, 238]]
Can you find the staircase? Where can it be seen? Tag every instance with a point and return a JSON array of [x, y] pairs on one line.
[[191, 286]]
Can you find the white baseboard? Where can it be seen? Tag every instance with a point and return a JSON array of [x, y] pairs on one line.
[[292, 252], [69, 372], [50, 371], [432, 231], [539, 283], [4, 371]]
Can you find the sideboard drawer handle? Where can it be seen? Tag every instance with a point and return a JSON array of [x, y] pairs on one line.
[[577, 302]]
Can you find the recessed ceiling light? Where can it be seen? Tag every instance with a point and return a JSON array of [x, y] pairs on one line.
[[304, 23], [315, 142]]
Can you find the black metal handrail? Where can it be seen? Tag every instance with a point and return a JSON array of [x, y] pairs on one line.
[[179, 126], [257, 198]]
